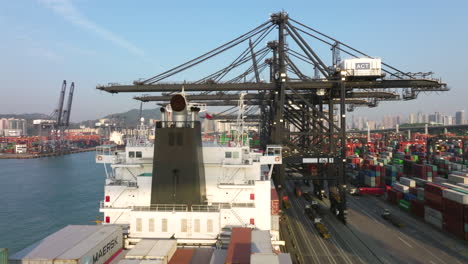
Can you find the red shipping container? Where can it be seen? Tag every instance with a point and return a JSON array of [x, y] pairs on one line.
[[453, 209], [391, 196], [399, 195], [239, 247], [182, 256], [413, 190], [275, 204], [434, 188], [417, 208], [454, 226]]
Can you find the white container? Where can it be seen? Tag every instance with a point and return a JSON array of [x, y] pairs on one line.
[[408, 182], [439, 180], [455, 196], [129, 261], [362, 67], [73, 244], [457, 179], [164, 249], [401, 188], [219, 256], [433, 221], [428, 211], [141, 249], [462, 185], [261, 242], [275, 223], [460, 173], [264, 258]]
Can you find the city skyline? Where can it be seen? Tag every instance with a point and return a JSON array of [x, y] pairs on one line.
[[390, 121]]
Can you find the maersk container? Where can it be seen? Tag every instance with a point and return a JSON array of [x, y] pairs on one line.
[[362, 67], [261, 242], [74, 244]]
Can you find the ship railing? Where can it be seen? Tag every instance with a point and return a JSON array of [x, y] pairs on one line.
[[127, 183], [162, 208]]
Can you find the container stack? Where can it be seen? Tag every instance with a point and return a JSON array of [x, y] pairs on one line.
[[74, 244], [455, 203]]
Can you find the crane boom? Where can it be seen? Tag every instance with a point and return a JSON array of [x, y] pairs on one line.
[[67, 112], [60, 103]]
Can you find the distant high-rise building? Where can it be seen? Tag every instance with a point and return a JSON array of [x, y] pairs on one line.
[[438, 118], [411, 119], [460, 117], [420, 118]]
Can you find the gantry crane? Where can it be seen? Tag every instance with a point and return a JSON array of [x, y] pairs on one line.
[[296, 103]]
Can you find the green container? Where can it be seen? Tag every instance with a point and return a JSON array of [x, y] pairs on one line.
[[415, 157], [405, 205], [4, 255]]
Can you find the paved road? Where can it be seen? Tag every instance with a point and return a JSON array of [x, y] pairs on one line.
[[368, 238]]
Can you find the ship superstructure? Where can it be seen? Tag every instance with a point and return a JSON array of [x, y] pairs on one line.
[[184, 189]]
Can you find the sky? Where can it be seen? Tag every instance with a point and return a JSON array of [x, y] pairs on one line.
[[97, 42]]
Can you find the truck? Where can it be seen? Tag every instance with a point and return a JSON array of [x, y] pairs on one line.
[[392, 219], [312, 214], [322, 229]]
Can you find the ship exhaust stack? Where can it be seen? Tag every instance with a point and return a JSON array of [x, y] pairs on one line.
[[163, 116], [178, 171], [179, 110]]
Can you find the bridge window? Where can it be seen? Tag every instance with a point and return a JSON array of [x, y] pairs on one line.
[[151, 225], [138, 154], [138, 225], [164, 225], [228, 155], [196, 228], [209, 226], [183, 225], [131, 154], [235, 154]]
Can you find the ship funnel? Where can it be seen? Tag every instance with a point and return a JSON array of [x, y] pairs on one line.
[[179, 108], [163, 116]]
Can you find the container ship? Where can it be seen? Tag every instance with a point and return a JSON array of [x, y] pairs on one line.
[[177, 200]]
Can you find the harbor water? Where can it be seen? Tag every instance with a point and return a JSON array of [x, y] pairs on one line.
[[40, 196]]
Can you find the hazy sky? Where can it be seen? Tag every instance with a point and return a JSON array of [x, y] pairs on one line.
[[96, 42]]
